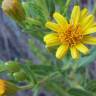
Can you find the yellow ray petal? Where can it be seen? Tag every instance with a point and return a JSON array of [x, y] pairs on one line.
[[2, 91], [84, 13], [74, 53], [52, 26], [50, 36], [89, 40], [82, 48], [61, 51], [52, 43], [51, 40], [75, 15], [94, 24], [90, 30], [60, 19], [87, 22]]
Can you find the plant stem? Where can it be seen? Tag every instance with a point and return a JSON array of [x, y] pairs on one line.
[[26, 87], [75, 65], [30, 86], [66, 6], [32, 74], [49, 77]]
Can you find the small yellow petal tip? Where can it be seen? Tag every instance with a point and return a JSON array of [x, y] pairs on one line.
[[87, 52], [61, 51], [56, 13], [76, 58], [44, 39], [59, 57]]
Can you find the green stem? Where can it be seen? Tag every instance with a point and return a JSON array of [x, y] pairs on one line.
[[94, 9], [57, 73], [30, 86], [66, 6], [59, 66], [34, 21], [75, 65], [32, 74]]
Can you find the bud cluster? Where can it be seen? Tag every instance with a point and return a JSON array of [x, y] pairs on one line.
[[15, 69]]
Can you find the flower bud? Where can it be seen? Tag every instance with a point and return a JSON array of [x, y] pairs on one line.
[[7, 88], [21, 75], [14, 9], [12, 66]]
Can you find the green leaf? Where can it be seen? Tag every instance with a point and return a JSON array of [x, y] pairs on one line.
[[2, 66], [38, 12], [26, 8], [60, 2], [1, 1], [56, 88], [79, 92], [91, 85], [43, 5], [51, 6], [84, 61]]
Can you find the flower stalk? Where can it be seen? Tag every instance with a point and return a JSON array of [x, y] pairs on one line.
[[66, 7]]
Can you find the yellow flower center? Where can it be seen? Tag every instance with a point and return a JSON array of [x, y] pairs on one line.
[[72, 36]]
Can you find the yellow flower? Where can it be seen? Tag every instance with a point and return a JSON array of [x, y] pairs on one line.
[[7, 88], [72, 34], [14, 9]]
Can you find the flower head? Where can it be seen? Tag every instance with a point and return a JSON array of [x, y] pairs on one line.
[[72, 34], [7, 88], [14, 9]]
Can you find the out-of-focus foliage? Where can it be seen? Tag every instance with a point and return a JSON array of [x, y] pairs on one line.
[[64, 78]]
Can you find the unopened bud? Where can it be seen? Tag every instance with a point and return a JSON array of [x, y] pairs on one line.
[[14, 9], [21, 75], [12, 66]]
